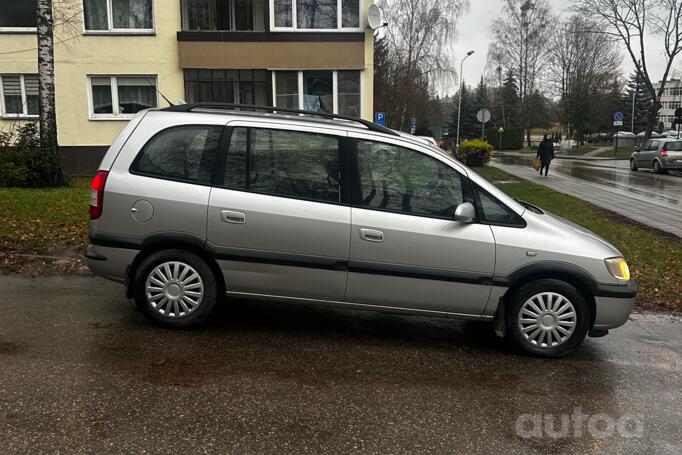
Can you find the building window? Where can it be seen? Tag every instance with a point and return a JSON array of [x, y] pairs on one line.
[[121, 96], [349, 93], [315, 14], [19, 95], [337, 92], [18, 16], [287, 89], [226, 86], [318, 91], [118, 15], [243, 15]]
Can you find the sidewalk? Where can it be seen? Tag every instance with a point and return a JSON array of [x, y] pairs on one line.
[[653, 213]]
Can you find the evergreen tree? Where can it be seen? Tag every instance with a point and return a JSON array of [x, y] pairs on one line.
[[511, 100], [643, 103], [469, 126]]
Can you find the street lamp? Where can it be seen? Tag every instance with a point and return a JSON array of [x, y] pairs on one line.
[[500, 131], [461, 85]]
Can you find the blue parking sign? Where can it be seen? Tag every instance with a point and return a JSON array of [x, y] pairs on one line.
[[380, 118], [618, 116]]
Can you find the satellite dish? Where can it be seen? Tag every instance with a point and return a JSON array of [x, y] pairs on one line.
[[374, 17]]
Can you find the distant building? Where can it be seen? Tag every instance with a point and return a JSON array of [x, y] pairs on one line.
[[122, 56], [671, 100]]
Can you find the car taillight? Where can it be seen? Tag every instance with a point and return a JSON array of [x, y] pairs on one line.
[[664, 152], [97, 194]]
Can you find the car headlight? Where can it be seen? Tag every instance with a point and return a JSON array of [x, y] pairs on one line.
[[618, 268]]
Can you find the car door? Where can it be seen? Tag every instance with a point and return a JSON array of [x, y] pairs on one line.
[[640, 156], [650, 154], [406, 250], [277, 223]]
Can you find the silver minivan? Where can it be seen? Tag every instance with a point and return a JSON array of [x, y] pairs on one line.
[[196, 202]]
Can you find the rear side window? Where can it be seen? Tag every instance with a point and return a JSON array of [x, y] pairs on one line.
[[401, 180], [185, 153], [284, 163], [674, 146]]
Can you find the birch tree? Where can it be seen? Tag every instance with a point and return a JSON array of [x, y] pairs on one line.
[[420, 37], [521, 37], [48, 118], [631, 22]]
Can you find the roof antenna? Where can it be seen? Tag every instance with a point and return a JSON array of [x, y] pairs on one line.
[[160, 93]]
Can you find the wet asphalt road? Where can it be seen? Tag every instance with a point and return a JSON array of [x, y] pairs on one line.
[[81, 371]]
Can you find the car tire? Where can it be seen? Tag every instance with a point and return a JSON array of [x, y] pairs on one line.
[[548, 318], [657, 167], [175, 289], [633, 165]]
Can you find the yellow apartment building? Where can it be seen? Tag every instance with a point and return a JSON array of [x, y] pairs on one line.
[[116, 57]]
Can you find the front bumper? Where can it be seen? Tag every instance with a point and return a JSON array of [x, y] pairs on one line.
[[614, 305]]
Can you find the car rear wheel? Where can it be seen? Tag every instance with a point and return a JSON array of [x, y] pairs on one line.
[[175, 289], [633, 165], [657, 167], [548, 318]]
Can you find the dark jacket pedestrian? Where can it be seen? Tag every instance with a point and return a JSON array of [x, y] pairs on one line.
[[546, 154]]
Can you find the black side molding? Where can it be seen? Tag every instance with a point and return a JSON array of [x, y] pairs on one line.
[[555, 269]]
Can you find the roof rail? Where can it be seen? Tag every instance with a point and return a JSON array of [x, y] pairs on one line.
[[189, 107]]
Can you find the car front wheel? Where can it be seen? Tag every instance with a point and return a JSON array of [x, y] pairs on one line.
[[548, 318], [633, 165], [175, 289]]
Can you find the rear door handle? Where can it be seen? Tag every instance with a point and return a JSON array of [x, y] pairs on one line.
[[231, 217], [370, 235]]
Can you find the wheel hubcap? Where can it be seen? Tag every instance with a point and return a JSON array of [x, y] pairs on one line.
[[547, 320], [174, 289]]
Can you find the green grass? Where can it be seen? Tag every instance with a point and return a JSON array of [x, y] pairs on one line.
[[581, 150], [44, 220], [623, 152], [655, 258]]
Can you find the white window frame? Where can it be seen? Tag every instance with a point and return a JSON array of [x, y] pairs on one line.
[[294, 20], [114, 95], [18, 29], [122, 31], [335, 89], [24, 100]]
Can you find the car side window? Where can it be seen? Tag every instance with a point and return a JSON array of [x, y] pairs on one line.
[[674, 146], [401, 180], [284, 163], [493, 211], [184, 153]]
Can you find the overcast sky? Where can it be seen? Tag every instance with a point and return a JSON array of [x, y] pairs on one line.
[[474, 33]]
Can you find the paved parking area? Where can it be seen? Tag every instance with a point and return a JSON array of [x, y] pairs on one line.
[[81, 371], [650, 199]]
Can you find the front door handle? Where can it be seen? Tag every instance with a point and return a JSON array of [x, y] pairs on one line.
[[231, 217], [370, 235]]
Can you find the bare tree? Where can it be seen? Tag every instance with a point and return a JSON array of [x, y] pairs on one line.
[[583, 66], [420, 37], [630, 22], [521, 37]]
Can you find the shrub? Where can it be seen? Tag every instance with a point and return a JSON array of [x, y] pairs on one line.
[[22, 162], [475, 153]]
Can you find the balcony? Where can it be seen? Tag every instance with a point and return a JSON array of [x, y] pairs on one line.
[[224, 15]]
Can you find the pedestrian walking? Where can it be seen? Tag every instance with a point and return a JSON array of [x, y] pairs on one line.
[[545, 154]]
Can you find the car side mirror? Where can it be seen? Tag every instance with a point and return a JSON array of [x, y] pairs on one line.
[[465, 213]]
